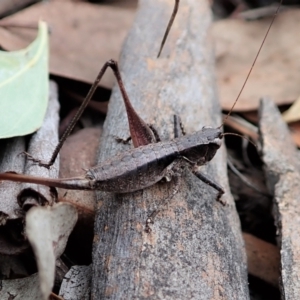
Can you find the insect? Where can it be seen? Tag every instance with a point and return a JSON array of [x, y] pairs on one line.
[[150, 161]]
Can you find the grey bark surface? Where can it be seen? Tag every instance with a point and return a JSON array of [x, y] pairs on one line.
[[21, 289], [10, 161], [281, 159], [41, 146], [77, 283], [195, 249]]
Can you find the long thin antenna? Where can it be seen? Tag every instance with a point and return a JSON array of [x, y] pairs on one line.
[[254, 62], [241, 136], [169, 27]]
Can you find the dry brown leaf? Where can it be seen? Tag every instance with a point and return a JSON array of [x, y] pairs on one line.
[[293, 113], [263, 259], [277, 68], [251, 116], [83, 36], [78, 154], [295, 132], [9, 6], [48, 229]]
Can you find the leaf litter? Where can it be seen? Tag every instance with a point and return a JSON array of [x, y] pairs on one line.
[[249, 102], [80, 42]]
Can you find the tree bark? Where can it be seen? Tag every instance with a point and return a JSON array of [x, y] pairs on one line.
[[281, 161], [195, 249], [10, 161], [41, 146]]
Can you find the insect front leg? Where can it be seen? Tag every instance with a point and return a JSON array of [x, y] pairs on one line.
[[121, 140], [155, 133], [178, 127], [211, 183]]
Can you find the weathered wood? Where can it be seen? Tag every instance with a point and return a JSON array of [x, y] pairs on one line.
[[41, 146], [25, 288], [281, 159], [10, 161], [77, 283], [195, 249]]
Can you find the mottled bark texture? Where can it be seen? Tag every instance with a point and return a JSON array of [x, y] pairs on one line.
[[195, 249], [10, 161], [41, 146], [282, 165]]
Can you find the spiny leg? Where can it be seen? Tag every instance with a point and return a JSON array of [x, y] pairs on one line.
[[114, 66], [211, 183], [147, 133]]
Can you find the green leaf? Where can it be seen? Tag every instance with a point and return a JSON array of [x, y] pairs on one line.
[[24, 87]]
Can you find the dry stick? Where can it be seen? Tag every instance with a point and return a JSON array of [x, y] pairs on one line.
[[115, 238], [41, 144], [281, 164], [194, 223], [10, 160]]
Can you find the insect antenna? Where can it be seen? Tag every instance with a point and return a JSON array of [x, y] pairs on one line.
[[175, 9], [253, 64], [241, 136]]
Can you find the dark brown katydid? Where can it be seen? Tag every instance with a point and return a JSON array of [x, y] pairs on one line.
[[145, 165]]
